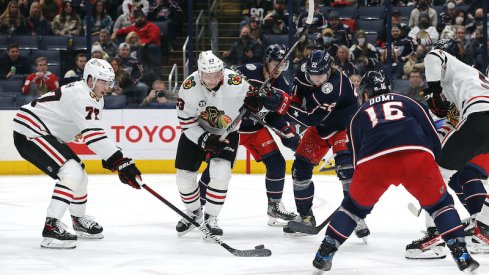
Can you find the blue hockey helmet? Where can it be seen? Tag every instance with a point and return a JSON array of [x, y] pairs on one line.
[[374, 83], [448, 45], [275, 52]]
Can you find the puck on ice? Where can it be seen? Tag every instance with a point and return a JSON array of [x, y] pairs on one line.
[[261, 246]]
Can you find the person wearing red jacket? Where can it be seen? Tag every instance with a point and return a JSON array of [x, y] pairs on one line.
[[42, 81]]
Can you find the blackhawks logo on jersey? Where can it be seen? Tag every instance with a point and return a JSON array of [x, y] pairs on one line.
[[188, 83], [234, 79], [216, 118]]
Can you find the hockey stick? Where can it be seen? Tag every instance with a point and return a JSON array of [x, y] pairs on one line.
[[334, 168], [258, 251], [311, 230], [414, 210]]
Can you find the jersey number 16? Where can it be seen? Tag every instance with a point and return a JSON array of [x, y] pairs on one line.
[[390, 111]]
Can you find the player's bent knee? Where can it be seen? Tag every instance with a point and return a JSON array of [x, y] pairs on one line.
[[275, 166], [71, 174], [186, 179], [220, 169], [301, 170], [349, 206]]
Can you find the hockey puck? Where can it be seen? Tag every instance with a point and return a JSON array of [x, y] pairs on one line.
[[261, 246]]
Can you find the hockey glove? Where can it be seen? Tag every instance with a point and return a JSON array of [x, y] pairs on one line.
[[125, 167], [254, 99], [278, 101], [343, 159], [292, 140], [211, 143], [438, 104]]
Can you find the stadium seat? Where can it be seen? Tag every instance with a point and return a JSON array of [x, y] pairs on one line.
[[405, 11], [28, 42], [54, 42], [163, 25], [371, 37], [370, 25], [56, 69], [4, 41], [400, 86], [276, 39], [371, 12], [115, 102], [7, 101], [53, 56], [80, 42], [439, 8], [346, 12], [24, 99], [13, 86]]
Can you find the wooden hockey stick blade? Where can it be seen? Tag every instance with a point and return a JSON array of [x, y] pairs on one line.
[[258, 251], [414, 210]]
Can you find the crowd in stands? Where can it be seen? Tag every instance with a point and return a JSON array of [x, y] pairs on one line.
[[125, 33], [355, 32]]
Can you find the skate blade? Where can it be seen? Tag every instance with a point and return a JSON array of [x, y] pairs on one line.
[[317, 271], [430, 254], [88, 236], [276, 222], [364, 239], [180, 234], [52, 243]]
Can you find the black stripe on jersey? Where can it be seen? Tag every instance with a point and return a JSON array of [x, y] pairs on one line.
[[32, 129], [182, 118], [443, 60], [217, 190], [214, 202], [62, 186], [95, 140], [472, 104], [60, 199], [81, 202], [91, 129], [433, 53], [37, 118]]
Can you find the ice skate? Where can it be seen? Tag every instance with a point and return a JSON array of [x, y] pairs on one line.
[[277, 215], [324, 256], [480, 240], [86, 228], [210, 223], [56, 236], [309, 220], [362, 231], [430, 246], [184, 226], [462, 258]]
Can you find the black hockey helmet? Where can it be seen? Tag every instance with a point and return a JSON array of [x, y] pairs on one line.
[[448, 45], [374, 83]]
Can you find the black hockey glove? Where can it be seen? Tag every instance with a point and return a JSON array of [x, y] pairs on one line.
[[438, 105], [211, 143], [125, 167], [254, 99], [292, 140], [343, 159]]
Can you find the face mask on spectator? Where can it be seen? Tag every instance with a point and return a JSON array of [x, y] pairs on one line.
[[459, 20], [361, 41], [327, 40], [245, 37]]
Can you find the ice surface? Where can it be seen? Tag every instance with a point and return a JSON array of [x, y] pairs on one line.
[[140, 236]]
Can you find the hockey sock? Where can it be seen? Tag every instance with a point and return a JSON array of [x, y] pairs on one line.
[[469, 178], [341, 226], [188, 189], [78, 205], [457, 188], [60, 201], [275, 177], [446, 218], [220, 174], [203, 183], [303, 185]]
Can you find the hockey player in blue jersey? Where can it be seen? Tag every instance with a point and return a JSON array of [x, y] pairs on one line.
[[258, 140], [323, 100], [394, 141]]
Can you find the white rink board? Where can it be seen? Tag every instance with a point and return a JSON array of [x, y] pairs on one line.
[[140, 235]]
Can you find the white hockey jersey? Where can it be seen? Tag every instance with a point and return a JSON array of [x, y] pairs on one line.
[[200, 110], [462, 84], [72, 112]]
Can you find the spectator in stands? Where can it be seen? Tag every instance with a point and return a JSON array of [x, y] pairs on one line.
[[77, 72], [343, 62], [134, 68], [128, 5], [171, 12], [132, 39], [42, 81], [423, 7], [12, 21], [122, 80], [475, 46], [98, 51], [450, 30], [158, 95], [355, 80], [326, 42], [107, 45], [149, 34], [424, 25], [50, 8], [416, 85], [396, 20], [364, 55], [448, 16], [255, 30], [124, 20], [276, 22], [415, 61], [36, 23], [14, 65], [67, 23], [342, 33], [24, 7], [317, 21], [100, 18], [245, 50], [402, 49], [302, 51]]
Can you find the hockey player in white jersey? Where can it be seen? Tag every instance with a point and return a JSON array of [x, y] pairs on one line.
[[209, 100], [465, 148], [41, 130]]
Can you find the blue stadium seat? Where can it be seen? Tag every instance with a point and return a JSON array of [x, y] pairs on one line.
[[370, 25], [400, 86], [371, 37], [346, 12], [371, 12], [56, 69], [54, 42], [115, 102], [405, 11], [13, 86], [163, 25], [276, 39], [80, 42], [7, 101], [28, 42], [24, 99], [4, 41], [53, 56]]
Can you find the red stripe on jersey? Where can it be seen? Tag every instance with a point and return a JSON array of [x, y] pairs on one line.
[[49, 149], [215, 196], [80, 198], [63, 193], [93, 134], [30, 120], [191, 198], [476, 97], [187, 123]]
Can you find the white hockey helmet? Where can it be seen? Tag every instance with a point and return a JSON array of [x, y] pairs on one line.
[[209, 63], [98, 69]]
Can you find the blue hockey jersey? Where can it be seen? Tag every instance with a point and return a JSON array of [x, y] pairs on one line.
[[254, 74], [328, 107], [389, 123]]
